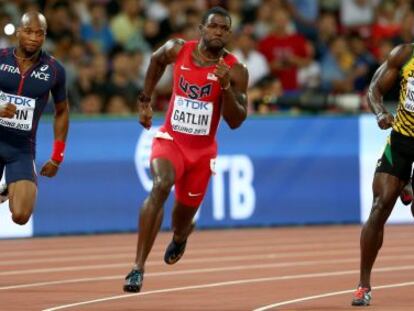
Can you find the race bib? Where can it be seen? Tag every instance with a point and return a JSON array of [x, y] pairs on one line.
[[191, 116], [23, 118], [409, 96]]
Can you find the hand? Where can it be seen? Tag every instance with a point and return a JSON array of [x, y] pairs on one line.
[[7, 110], [49, 169], [145, 114], [385, 120], [222, 72]]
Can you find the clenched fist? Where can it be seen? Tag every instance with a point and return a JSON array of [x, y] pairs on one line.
[[222, 72], [7, 110], [385, 120], [49, 169]]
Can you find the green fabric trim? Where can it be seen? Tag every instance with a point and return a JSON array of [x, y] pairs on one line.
[[388, 153]]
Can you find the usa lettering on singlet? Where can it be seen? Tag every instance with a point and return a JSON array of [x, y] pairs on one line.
[[23, 118], [191, 116]]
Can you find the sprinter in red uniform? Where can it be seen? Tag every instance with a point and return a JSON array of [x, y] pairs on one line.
[[209, 83]]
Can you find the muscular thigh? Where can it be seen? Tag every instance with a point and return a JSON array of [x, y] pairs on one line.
[[398, 156], [167, 149], [191, 188]]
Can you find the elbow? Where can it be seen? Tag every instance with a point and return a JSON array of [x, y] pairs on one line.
[[235, 123]]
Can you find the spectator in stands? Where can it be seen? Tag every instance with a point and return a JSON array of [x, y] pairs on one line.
[[97, 32], [327, 30], [336, 67], [309, 76], [91, 104], [357, 13], [285, 51], [128, 22], [364, 63], [406, 33], [117, 105], [122, 79], [245, 51], [264, 96], [305, 14]]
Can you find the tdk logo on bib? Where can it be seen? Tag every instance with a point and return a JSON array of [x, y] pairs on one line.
[[20, 100], [192, 104]]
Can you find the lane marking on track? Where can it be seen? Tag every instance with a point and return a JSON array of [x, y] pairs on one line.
[[196, 261], [183, 272], [397, 237], [221, 284], [213, 249], [69, 249], [330, 294]]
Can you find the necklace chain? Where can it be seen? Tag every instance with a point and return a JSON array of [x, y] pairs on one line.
[[23, 58]]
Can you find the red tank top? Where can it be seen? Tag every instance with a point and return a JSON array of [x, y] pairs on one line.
[[195, 107]]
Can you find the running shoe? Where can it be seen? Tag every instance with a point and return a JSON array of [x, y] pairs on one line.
[[133, 281], [406, 195], [174, 252], [362, 296]]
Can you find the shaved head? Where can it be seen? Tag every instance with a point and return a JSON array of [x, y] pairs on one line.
[[30, 17], [31, 33]]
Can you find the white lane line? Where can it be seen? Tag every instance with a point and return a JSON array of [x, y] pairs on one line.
[[183, 272], [207, 250], [348, 291], [193, 252], [160, 248], [196, 261], [158, 263], [228, 283]]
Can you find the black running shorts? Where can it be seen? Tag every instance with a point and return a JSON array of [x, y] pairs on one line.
[[398, 156]]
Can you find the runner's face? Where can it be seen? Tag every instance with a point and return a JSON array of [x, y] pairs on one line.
[[31, 36], [216, 31]]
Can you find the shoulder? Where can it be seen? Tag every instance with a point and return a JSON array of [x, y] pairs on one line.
[[169, 51], [240, 68], [233, 61], [400, 55], [6, 52], [53, 62]]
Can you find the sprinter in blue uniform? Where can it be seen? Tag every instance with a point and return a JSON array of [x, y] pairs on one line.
[[27, 76]]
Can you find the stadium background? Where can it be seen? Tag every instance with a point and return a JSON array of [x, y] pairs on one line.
[[306, 154]]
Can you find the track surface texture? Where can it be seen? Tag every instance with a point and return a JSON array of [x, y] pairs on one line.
[[296, 268]]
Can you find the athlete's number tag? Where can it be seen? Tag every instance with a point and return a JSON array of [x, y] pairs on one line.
[[409, 96], [191, 116], [23, 118]]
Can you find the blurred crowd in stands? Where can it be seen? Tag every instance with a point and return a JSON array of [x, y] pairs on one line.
[[302, 55]]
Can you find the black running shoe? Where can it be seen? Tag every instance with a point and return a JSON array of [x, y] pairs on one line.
[[362, 297], [133, 281], [174, 252]]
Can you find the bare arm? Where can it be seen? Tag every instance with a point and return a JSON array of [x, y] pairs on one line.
[[160, 59], [383, 80], [61, 121], [234, 96], [60, 128]]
